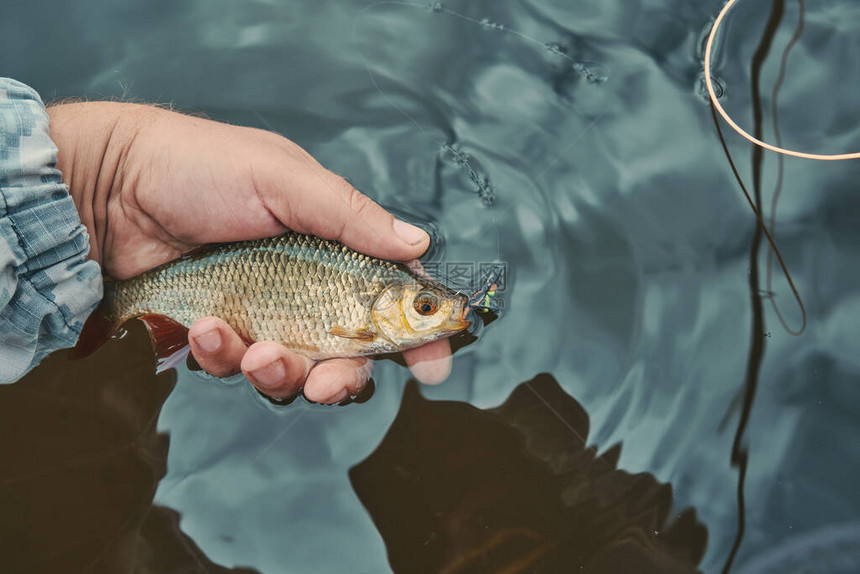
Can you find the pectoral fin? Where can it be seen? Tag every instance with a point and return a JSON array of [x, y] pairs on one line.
[[361, 334]]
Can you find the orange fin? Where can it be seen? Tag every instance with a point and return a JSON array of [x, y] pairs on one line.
[[97, 330], [169, 339], [361, 334]]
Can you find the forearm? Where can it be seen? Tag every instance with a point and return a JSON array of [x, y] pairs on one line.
[[47, 285]]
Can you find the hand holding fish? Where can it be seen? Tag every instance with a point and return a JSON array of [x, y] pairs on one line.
[[151, 184]]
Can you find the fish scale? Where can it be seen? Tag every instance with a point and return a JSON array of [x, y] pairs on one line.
[[312, 295]]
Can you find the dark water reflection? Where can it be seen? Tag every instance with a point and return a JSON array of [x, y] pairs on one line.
[[451, 488], [81, 464], [516, 489], [626, 239]]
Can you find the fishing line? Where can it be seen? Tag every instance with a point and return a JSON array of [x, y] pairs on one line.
[[551, 47], [780, 168], [715, 102], [716, 107], [740, 453], [480, 179], [763, 227], [461, 158]]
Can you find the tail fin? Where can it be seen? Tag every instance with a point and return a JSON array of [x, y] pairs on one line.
[[97, 330], [169, 338], [100, 326]]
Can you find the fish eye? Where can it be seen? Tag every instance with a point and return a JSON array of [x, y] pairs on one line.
[[425, 303]]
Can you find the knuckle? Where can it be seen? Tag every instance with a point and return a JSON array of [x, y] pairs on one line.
[[359, 207], [357, 201]]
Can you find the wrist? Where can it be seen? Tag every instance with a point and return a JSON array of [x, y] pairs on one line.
[[93, 140]]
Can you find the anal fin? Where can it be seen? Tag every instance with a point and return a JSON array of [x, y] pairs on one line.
[[169, 339]]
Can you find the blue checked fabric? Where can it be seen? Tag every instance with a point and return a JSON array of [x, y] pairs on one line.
[[47, 285]]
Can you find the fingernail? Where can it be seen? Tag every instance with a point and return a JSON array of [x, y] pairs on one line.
[[409, 233], [271, 375], [209, 341], [338, 397]]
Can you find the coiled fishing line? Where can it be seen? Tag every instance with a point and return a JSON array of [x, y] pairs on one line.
[[715, 102]]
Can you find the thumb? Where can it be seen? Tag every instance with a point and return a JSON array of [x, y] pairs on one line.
[[308, 198]]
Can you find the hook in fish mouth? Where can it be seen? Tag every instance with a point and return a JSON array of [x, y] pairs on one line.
[[485, 297]]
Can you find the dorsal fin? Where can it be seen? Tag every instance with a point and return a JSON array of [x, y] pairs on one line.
[[200, 251]]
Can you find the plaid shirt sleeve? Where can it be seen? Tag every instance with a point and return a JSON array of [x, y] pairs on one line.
[[47, 285]]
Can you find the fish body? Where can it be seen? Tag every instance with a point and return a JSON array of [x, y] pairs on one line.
[[317, 297]]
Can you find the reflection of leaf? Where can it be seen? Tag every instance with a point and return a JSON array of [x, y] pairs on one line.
[[453, 488], [81, 462]]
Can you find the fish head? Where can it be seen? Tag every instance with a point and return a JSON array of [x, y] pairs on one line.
[[412, 314]]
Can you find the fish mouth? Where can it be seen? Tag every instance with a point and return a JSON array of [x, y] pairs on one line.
[[461, 322]]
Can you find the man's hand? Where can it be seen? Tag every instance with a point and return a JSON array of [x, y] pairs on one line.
[[151, 184]]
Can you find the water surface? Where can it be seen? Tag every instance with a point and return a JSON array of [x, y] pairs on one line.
[[603, 187]]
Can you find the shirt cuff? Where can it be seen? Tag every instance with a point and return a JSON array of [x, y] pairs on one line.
[[48, 287]]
